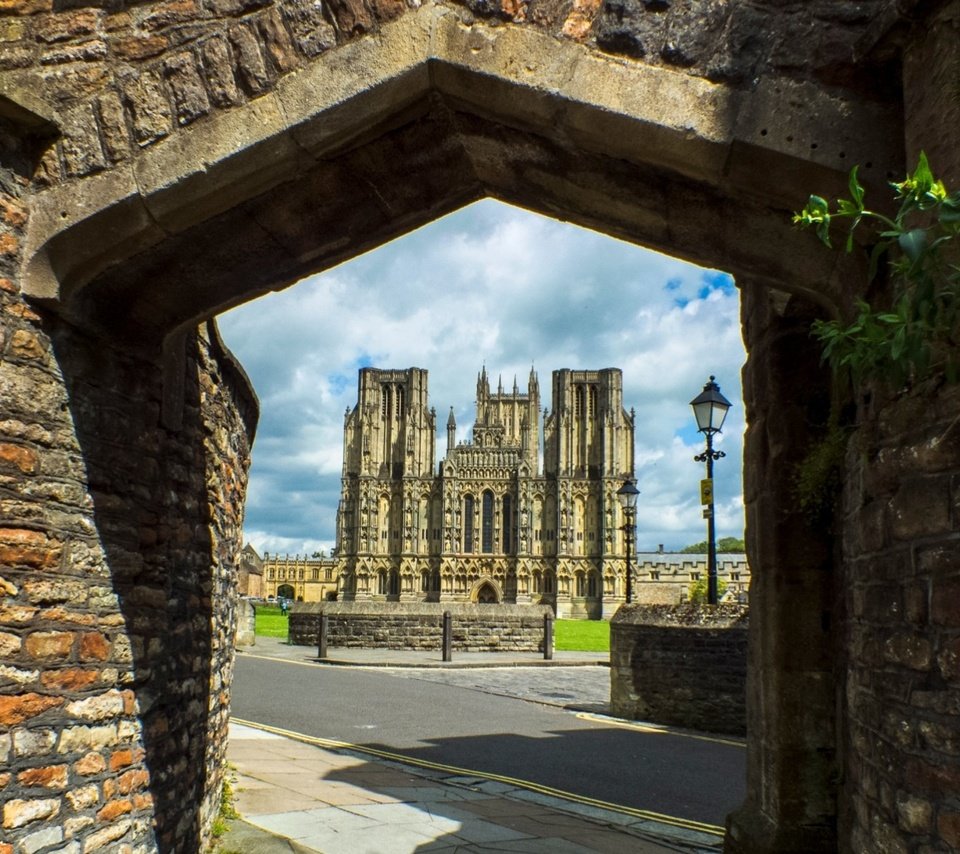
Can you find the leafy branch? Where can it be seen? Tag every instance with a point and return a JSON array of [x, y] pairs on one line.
[[916, 335]]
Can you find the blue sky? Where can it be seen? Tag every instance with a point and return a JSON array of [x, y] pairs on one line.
[[497, 286]]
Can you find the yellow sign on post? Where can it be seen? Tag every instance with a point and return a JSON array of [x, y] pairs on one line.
[[706, 490]]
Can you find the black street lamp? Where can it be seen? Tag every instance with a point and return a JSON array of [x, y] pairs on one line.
[[627, 496], [710, 408]]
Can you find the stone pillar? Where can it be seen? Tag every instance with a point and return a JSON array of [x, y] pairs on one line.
[[791, 693], [931, 93]]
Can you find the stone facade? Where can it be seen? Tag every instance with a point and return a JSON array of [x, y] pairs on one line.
[[419, 625], [496, 524], [664, 578], [684, 666], [163, 160], [295, 577]]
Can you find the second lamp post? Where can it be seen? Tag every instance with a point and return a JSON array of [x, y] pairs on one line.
[[710, 409], [627, 495]]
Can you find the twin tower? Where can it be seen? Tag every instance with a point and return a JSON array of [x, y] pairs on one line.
[[526, 511]]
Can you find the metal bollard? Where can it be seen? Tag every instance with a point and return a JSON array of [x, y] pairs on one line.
[[322, 636], [548, 637], [447, 636]]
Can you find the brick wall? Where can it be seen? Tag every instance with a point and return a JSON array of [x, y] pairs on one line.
[[117, 546], [401, 625], [682, 665], [903, 600]]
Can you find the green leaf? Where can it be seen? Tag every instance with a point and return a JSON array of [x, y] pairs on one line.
[[856, 189], [922, 177], [913, 243]]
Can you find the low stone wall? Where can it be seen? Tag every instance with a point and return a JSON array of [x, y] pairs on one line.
[[419, 625], [682, 665]]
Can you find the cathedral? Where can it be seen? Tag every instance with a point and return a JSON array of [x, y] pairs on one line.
[[524, 512]]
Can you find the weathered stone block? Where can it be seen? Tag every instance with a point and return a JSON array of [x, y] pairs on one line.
[[147, 104], [189, 95], [251, 67], [680, 665]]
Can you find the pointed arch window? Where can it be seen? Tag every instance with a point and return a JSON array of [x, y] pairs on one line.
[[468, 523], [507, 525], [487, 522]]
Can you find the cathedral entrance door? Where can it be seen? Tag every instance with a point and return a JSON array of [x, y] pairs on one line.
[[487, 595]]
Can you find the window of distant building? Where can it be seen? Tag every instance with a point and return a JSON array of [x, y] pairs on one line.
[[507, 525], [468, 523], [487, 532]]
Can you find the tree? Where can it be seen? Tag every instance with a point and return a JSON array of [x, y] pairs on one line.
[[725, 545], [697, 592]]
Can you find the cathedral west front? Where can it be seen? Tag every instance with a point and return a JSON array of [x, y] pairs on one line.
[[524, 512]]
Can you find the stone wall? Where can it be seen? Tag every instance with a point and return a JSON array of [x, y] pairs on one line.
[[118, 532], [419, 625], [902, 597], [682, 665], [128, 75]]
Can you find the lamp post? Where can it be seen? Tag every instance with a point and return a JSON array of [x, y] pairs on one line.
[[627, 496], [710, 409]]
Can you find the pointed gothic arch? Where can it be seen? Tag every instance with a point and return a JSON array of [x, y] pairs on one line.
[[249, 200], [486, 591]]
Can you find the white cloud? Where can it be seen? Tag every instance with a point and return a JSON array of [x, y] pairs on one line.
[[498, 286]]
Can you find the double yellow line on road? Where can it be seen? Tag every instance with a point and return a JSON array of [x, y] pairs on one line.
[[335, 744]]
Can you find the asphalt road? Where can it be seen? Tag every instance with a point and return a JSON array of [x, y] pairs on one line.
[[671, 774]]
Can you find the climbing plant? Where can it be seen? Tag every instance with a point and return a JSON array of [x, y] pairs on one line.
[[914, 332]]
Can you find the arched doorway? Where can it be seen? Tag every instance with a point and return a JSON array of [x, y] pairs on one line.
[[227, 216], [486, 592]]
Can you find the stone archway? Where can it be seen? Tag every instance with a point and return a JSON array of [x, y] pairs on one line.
[[165, 202], [486, 591]]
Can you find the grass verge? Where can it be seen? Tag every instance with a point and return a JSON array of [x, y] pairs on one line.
[[271, 623], [582, 635]]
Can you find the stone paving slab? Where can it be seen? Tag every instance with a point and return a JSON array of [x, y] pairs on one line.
[[337, 802]]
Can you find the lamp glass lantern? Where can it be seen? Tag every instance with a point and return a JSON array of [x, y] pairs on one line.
[[627, 496], [710, 408]]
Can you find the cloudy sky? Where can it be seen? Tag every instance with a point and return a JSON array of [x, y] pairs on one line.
[[499, 286]]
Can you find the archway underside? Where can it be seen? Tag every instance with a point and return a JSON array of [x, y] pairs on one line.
[[381, 138]]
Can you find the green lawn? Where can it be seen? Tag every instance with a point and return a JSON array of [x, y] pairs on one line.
[[586, 635], [270, 622]]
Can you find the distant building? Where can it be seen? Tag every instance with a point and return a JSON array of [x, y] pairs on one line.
[[295, 577], [664, 578], [498, 522], [250, 576]]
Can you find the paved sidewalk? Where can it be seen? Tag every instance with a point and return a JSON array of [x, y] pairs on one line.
[[298, 798], [301, 795]]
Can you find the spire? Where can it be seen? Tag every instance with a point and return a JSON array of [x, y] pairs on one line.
[[516, 389], [451, 432], [500, 384]]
